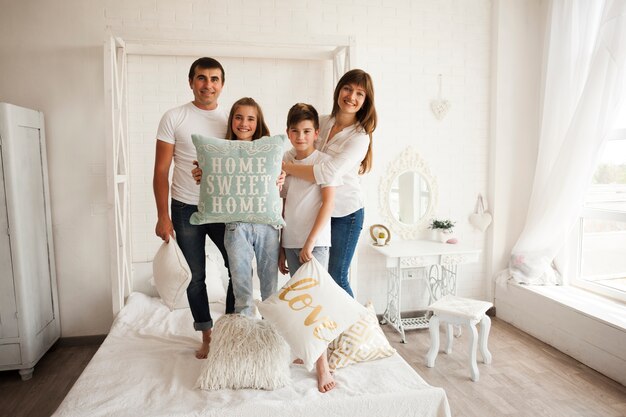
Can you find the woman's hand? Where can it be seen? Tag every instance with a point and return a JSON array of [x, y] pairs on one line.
[[282, 264], [197, 172]]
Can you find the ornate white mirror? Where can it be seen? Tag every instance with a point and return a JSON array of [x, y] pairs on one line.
[[408, 195]]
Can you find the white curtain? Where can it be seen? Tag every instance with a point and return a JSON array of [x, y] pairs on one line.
[[583, 82]]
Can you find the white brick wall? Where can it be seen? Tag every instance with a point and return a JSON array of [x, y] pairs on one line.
[[404, 45]]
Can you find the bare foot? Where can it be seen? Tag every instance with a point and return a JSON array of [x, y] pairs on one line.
[[325, 380], [203, 351]]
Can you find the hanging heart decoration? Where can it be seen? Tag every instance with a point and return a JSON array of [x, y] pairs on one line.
[[481, 219], [440, 106]]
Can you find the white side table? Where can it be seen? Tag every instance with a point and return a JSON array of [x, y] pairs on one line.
[[441, 259]]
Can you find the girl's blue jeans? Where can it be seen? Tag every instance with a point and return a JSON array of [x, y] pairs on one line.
[[243, 242]]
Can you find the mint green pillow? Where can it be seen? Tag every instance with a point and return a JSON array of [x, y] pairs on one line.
[[239, 180]]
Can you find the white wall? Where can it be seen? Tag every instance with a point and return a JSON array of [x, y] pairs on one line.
[[518, 30], [51, 60]]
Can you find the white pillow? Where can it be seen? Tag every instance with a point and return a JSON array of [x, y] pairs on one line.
[[171, 273], [361, 342], [245, 353], [215, 290], [216, 277], [310, 311]]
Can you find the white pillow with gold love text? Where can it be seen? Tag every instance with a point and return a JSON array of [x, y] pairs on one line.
[[310, 311]]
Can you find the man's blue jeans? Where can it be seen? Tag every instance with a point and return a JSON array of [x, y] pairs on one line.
[[344, 236], [243, 242], [192, 239]]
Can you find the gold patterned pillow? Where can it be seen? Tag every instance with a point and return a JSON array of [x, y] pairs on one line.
[[363, 341]]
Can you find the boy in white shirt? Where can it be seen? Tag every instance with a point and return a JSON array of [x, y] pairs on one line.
[[307, 210]]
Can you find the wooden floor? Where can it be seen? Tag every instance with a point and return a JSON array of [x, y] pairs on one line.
[[54, 375], [526, 378]]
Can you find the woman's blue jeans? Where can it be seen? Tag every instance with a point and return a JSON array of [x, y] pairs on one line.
[[344, 236], [192, 240]]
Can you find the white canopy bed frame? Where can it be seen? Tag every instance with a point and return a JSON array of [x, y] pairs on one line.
[[146, 365], [340, 50]]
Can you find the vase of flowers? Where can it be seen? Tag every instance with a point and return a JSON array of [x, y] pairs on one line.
[[442, 229]]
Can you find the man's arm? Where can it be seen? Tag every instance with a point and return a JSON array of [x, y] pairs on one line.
[[161, 186]]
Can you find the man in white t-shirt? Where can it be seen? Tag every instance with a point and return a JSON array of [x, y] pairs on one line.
[[201, 116]]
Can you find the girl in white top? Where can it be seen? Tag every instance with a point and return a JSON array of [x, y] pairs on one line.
[[246, 241], [346, 136]]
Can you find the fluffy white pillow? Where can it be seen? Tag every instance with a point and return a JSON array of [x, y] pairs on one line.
[[245, 353], [361, 342], [310, 311], [171, 273]]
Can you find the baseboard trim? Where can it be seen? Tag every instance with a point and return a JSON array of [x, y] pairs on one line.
[[81, 340]]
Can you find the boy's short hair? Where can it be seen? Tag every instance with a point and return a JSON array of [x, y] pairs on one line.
[[206, 63], [302, 111]]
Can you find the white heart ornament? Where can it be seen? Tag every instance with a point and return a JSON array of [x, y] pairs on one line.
[[481, 221], [440, 108]]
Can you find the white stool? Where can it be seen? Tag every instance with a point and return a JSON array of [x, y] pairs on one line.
[[460, 311]]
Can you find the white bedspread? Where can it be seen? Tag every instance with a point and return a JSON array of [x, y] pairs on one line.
[[146, 367]]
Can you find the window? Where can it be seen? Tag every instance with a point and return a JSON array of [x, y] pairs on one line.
[[602, 227]]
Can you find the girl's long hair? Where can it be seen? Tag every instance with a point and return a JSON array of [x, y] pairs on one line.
[[366, 115], [261, 127]]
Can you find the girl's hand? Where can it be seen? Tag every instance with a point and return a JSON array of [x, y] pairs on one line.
[[282, 264], [306, 253], [281, 180], [197, 172]]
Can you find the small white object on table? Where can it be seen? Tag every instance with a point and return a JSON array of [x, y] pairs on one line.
[[442, 260]]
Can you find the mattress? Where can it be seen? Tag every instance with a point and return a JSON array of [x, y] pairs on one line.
[[146, 367]]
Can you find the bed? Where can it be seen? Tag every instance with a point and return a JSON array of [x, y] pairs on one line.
[[146, 366]]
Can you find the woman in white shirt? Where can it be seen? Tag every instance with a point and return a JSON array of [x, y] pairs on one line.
[[346, 136]]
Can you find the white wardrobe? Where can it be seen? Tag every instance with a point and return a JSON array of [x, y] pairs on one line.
[[29, 308]]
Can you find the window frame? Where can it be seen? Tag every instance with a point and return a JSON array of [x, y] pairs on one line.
[[576, 245]]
